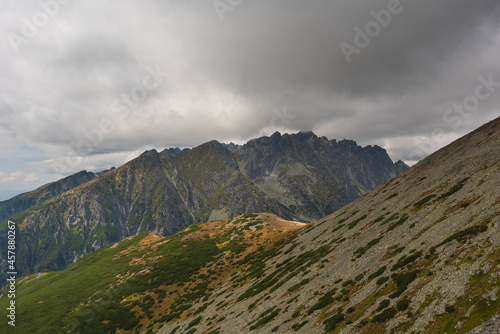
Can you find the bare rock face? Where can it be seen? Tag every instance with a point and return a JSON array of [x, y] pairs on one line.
[[299, 177], [312, 175]]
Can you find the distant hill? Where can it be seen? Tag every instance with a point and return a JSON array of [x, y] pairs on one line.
[[418, 254], [6, 194], [24, 201]]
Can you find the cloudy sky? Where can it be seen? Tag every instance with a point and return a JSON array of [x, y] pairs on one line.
[[91, 84]]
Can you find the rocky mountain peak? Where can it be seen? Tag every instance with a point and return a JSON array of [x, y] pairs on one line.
[[298, 177], [153, 151]]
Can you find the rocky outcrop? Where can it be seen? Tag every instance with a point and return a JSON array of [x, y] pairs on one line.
[[315, 175]]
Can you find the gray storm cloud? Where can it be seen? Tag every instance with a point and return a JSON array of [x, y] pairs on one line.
[[81, 79]]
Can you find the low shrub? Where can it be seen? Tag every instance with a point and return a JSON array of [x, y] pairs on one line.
[[332, 322], [402, 281], [424, 200], [449, 309], [323, 301], [346, 283], [384, 315], [379, 272], [382, 280], [460, 236], [383, 304], [455, 188], [403, 304], [404, 260], [356, 222], [195, 322], [265, 319], [296, 327]]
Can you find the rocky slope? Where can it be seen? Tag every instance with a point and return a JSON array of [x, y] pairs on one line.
[[418, 254], [24, 201], [313, 175], [298, 176]]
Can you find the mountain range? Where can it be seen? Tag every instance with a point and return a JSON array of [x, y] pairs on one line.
[[300, 176], [420, 253]]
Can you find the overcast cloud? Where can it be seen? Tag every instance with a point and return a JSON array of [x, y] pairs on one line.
[[92, 84]]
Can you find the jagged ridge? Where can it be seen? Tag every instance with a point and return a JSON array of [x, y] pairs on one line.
[[299, 177]]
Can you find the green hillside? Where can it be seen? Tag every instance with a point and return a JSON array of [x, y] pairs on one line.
[[142, 280]]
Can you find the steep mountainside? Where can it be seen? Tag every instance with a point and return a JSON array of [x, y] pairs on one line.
[[418, 254], [314, 175], [299, 177], [24, 201]]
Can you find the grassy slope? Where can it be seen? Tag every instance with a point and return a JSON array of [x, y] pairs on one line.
[[140, 271]]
